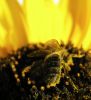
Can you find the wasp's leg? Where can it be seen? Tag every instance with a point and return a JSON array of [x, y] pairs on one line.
[[74, 86], [53, 80]]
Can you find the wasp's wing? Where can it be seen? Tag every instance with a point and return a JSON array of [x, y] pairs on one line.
[[34, 72], [38, 55], [37, 71]]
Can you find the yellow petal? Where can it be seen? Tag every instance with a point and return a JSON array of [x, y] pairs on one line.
[[45, 19], [81, 14], [13, 21], [41, 20]]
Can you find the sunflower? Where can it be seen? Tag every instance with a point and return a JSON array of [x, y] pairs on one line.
[[33, 21]]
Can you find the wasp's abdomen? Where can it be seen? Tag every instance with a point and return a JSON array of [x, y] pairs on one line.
[[52, 63]]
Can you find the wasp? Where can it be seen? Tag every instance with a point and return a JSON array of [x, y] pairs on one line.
[[55, 63], [48, 70], [48, 64]]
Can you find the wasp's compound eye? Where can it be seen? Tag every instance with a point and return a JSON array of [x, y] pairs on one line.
[[53, 60]]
